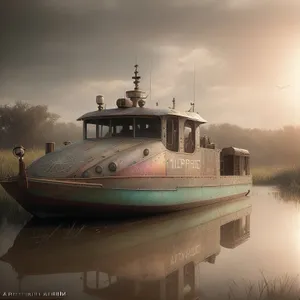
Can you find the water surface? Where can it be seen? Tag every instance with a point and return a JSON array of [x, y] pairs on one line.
[[201, 253]]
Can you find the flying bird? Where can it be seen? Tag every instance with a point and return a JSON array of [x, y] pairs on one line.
[[282, 87]]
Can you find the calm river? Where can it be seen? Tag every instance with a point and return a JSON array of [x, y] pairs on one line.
[[207, 253]]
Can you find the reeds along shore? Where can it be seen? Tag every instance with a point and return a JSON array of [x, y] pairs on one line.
[[286, 178], [281, 288], [9, 163], [9, 166]]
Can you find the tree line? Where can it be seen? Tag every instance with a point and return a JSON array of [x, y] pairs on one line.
[[33, 125]]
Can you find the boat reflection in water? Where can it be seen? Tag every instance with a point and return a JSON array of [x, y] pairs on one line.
[[157, 258]]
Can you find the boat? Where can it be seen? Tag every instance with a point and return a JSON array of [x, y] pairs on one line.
[[132, 160], [160, 257]]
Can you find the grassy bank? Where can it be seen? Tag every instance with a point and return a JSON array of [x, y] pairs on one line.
[[9, 166], [265, 175], [9, 163], [286, 178]]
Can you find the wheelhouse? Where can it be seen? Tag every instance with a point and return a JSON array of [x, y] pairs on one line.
[[179, 132]]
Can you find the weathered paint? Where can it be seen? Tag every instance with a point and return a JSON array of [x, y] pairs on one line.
[[71, 161], [155, 165], [201, 162], [150, 197]]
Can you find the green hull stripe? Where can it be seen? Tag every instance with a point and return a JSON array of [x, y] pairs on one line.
[[147, 197]]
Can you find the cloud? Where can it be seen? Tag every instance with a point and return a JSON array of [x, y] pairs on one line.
[[64, 53]]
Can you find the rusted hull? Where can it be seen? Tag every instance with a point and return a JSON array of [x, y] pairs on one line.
[[53, 198]]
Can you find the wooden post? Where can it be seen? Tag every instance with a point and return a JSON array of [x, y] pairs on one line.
[[23, 180], [21, 166], [49, 147]]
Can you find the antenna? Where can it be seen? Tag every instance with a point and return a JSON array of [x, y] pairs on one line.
[[193, 106], [174, 102], [151, 81]]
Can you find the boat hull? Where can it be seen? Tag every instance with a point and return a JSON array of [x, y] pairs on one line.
[[52, 198]]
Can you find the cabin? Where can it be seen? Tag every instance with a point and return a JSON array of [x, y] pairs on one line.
[[188, 151], [179, 132], [234, 162]]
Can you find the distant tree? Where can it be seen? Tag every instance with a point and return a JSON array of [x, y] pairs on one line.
[[267, 147], [31, 126]]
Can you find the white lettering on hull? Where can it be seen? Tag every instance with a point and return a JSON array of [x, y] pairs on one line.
[[184, 163], [183, 256]]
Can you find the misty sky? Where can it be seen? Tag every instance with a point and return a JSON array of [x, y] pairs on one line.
[[246, 55]]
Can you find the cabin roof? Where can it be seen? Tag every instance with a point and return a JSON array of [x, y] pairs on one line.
[[141, 111], [235, 151]]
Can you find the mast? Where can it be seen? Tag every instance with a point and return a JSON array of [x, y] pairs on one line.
[[136, 78], [150, 92], [136, 95], [193, 104]]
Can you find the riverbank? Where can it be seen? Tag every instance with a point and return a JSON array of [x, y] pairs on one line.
[[286, 178]]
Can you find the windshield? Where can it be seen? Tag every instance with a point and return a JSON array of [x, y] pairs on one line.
[[124, 127]]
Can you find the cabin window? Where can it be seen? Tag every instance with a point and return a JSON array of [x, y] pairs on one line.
[[148, 127], [237, 165], [189, 136], [97, 129], [122, 127], [172, 134], [90, 131]]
